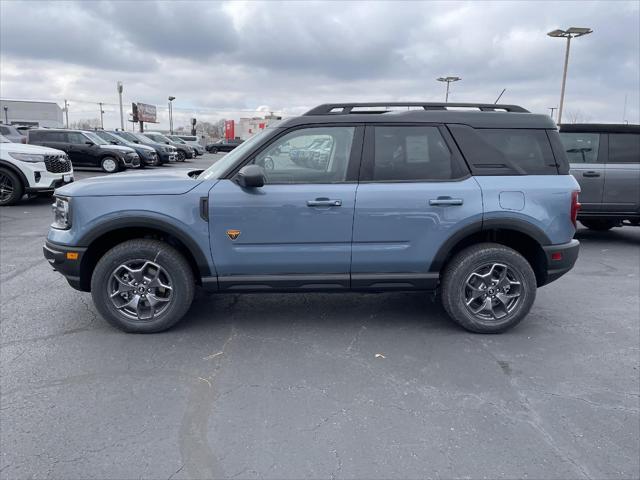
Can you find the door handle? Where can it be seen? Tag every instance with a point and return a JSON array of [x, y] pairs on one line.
[[590, 173], [324, 202], [446, 201]]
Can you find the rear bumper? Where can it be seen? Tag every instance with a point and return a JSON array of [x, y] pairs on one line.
[[58, 258], [560, 259]]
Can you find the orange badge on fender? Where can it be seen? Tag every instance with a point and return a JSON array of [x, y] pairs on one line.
[[233, 234]]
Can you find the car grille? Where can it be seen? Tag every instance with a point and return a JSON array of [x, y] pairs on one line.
[[57, 163]]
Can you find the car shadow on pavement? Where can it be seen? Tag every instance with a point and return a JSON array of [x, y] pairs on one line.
[[616, 235]]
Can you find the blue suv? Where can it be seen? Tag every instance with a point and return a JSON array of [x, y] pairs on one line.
[[472, 201]]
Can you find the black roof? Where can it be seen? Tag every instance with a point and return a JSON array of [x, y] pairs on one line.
[[600, 128], [477, 115]]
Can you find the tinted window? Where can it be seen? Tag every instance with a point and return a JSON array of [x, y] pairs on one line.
[[406, 153], [44, 136], [310, 155], [624, 148], [5, 130], [76, 138], [581, 147], [525, 151]]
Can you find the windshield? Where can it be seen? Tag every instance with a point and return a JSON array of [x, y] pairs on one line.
[[178, 140], [108, 137], [222, 165], [95, 138], [127, 136], [141, 138], [156, 137]]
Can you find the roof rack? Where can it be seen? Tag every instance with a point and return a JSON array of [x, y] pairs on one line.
[[347, 108]]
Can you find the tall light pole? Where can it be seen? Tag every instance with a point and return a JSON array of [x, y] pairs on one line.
[[569, 33], [101, 116], [171, 99], [66, 112], [448, 80], [6, 115], [120, 97]]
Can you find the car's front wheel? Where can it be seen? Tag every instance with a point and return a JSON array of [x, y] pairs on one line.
[[142, 286], [488, 288], [109, 165], [213, 150], [11, 189], [181, 156]]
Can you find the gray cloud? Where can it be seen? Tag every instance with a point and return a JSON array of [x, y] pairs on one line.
[[216, 57]]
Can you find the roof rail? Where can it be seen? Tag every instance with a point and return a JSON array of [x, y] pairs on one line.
[[347, 108]]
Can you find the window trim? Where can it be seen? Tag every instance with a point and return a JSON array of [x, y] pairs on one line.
[[353, 163], [368, 154]]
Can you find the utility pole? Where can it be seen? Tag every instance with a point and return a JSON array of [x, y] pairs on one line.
[[66, 112], [101, 116], [171, 99], [6, 115], [120, 97], [568, 34]]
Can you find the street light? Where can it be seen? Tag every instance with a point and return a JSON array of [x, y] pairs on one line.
[[448, 80], [171, 99], [120, 88], [6, 115], [570, 33]]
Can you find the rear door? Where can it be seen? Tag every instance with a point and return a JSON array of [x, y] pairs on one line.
[[295, 231], [414, 193], [587, 153], [622, 177]]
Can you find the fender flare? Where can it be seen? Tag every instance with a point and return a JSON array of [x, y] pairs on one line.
[[520, 226], [156, 223], [17, 171]]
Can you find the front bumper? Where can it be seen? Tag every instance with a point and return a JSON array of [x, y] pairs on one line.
[[132, 162], [560, 259], [167, 157], [66, 260], [49, 184]]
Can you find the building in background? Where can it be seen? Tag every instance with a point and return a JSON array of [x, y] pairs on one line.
[[28, 112], [247, 127]]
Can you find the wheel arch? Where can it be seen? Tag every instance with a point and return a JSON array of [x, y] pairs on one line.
[[109, 234], [526, 239], [9, 166]]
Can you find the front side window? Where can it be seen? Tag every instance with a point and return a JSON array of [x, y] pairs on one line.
[[76, 138], [308, 155], [411, 153], [624, 148], [581, 147]]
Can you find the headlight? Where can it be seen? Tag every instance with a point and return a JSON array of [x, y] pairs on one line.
[[61, 215], [166, 149], [27, 157]]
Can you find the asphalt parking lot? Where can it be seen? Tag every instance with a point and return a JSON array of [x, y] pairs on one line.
[[319, 385]]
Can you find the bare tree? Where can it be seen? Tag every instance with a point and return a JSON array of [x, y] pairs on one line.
[[578, 116], [85, 124]]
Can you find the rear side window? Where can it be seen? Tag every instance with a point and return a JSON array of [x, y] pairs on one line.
[[411, 153], [624, 148], [5, 130], [582, 147], [44, 136]]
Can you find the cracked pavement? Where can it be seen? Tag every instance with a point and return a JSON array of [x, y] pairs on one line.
[[289, 386]]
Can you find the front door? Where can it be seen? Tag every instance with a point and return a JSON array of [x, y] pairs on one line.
[[414, 193], [295, 231], [78, 149], [587, 154]]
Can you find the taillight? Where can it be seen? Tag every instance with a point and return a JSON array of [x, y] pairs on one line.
[[575, 206], [23, 140]]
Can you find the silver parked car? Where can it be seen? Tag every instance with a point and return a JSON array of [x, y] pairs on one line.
[[605, 159], [192, 141]]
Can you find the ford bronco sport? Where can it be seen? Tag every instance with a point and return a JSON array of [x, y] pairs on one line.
[[477, 205]]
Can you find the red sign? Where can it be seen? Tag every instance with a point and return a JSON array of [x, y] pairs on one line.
[[261, 126], [229, 129]]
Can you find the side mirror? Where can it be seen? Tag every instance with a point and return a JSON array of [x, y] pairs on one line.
[[113, 142], [91, 144], [251, 176]]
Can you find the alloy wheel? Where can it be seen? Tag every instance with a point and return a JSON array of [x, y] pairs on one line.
[[493, 291], [6, 188], [140, 289]]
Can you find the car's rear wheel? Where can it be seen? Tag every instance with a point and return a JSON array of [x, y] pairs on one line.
[[599, 224], [181, 156], [142, 286], [109, 164], [213, 150], [488, 288], [11, 188]]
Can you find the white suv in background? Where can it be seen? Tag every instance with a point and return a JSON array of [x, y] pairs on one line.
[[32, 170]]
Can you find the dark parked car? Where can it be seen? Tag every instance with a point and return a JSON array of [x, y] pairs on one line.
[[166, 153], [12, 134], [605, 159], [223, 145], [184, 151], [86, 149], [148, 155]]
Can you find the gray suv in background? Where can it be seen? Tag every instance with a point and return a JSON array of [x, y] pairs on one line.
[[605, 159]]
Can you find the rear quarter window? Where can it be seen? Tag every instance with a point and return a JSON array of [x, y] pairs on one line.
[[624, 148], [505, 151]]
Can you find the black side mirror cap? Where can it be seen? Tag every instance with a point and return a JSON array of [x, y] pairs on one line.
[[89, 143], [250, 176]]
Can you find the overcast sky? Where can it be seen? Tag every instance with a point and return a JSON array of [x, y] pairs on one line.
[[220, 59]]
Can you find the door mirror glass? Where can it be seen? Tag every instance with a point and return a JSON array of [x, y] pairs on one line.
[[251, 176]]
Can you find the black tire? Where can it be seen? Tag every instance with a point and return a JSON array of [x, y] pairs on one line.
[[180, 278], [181, 156], [213, 150], [599, 224], [479, 258], [10, 181], [107, 162]]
